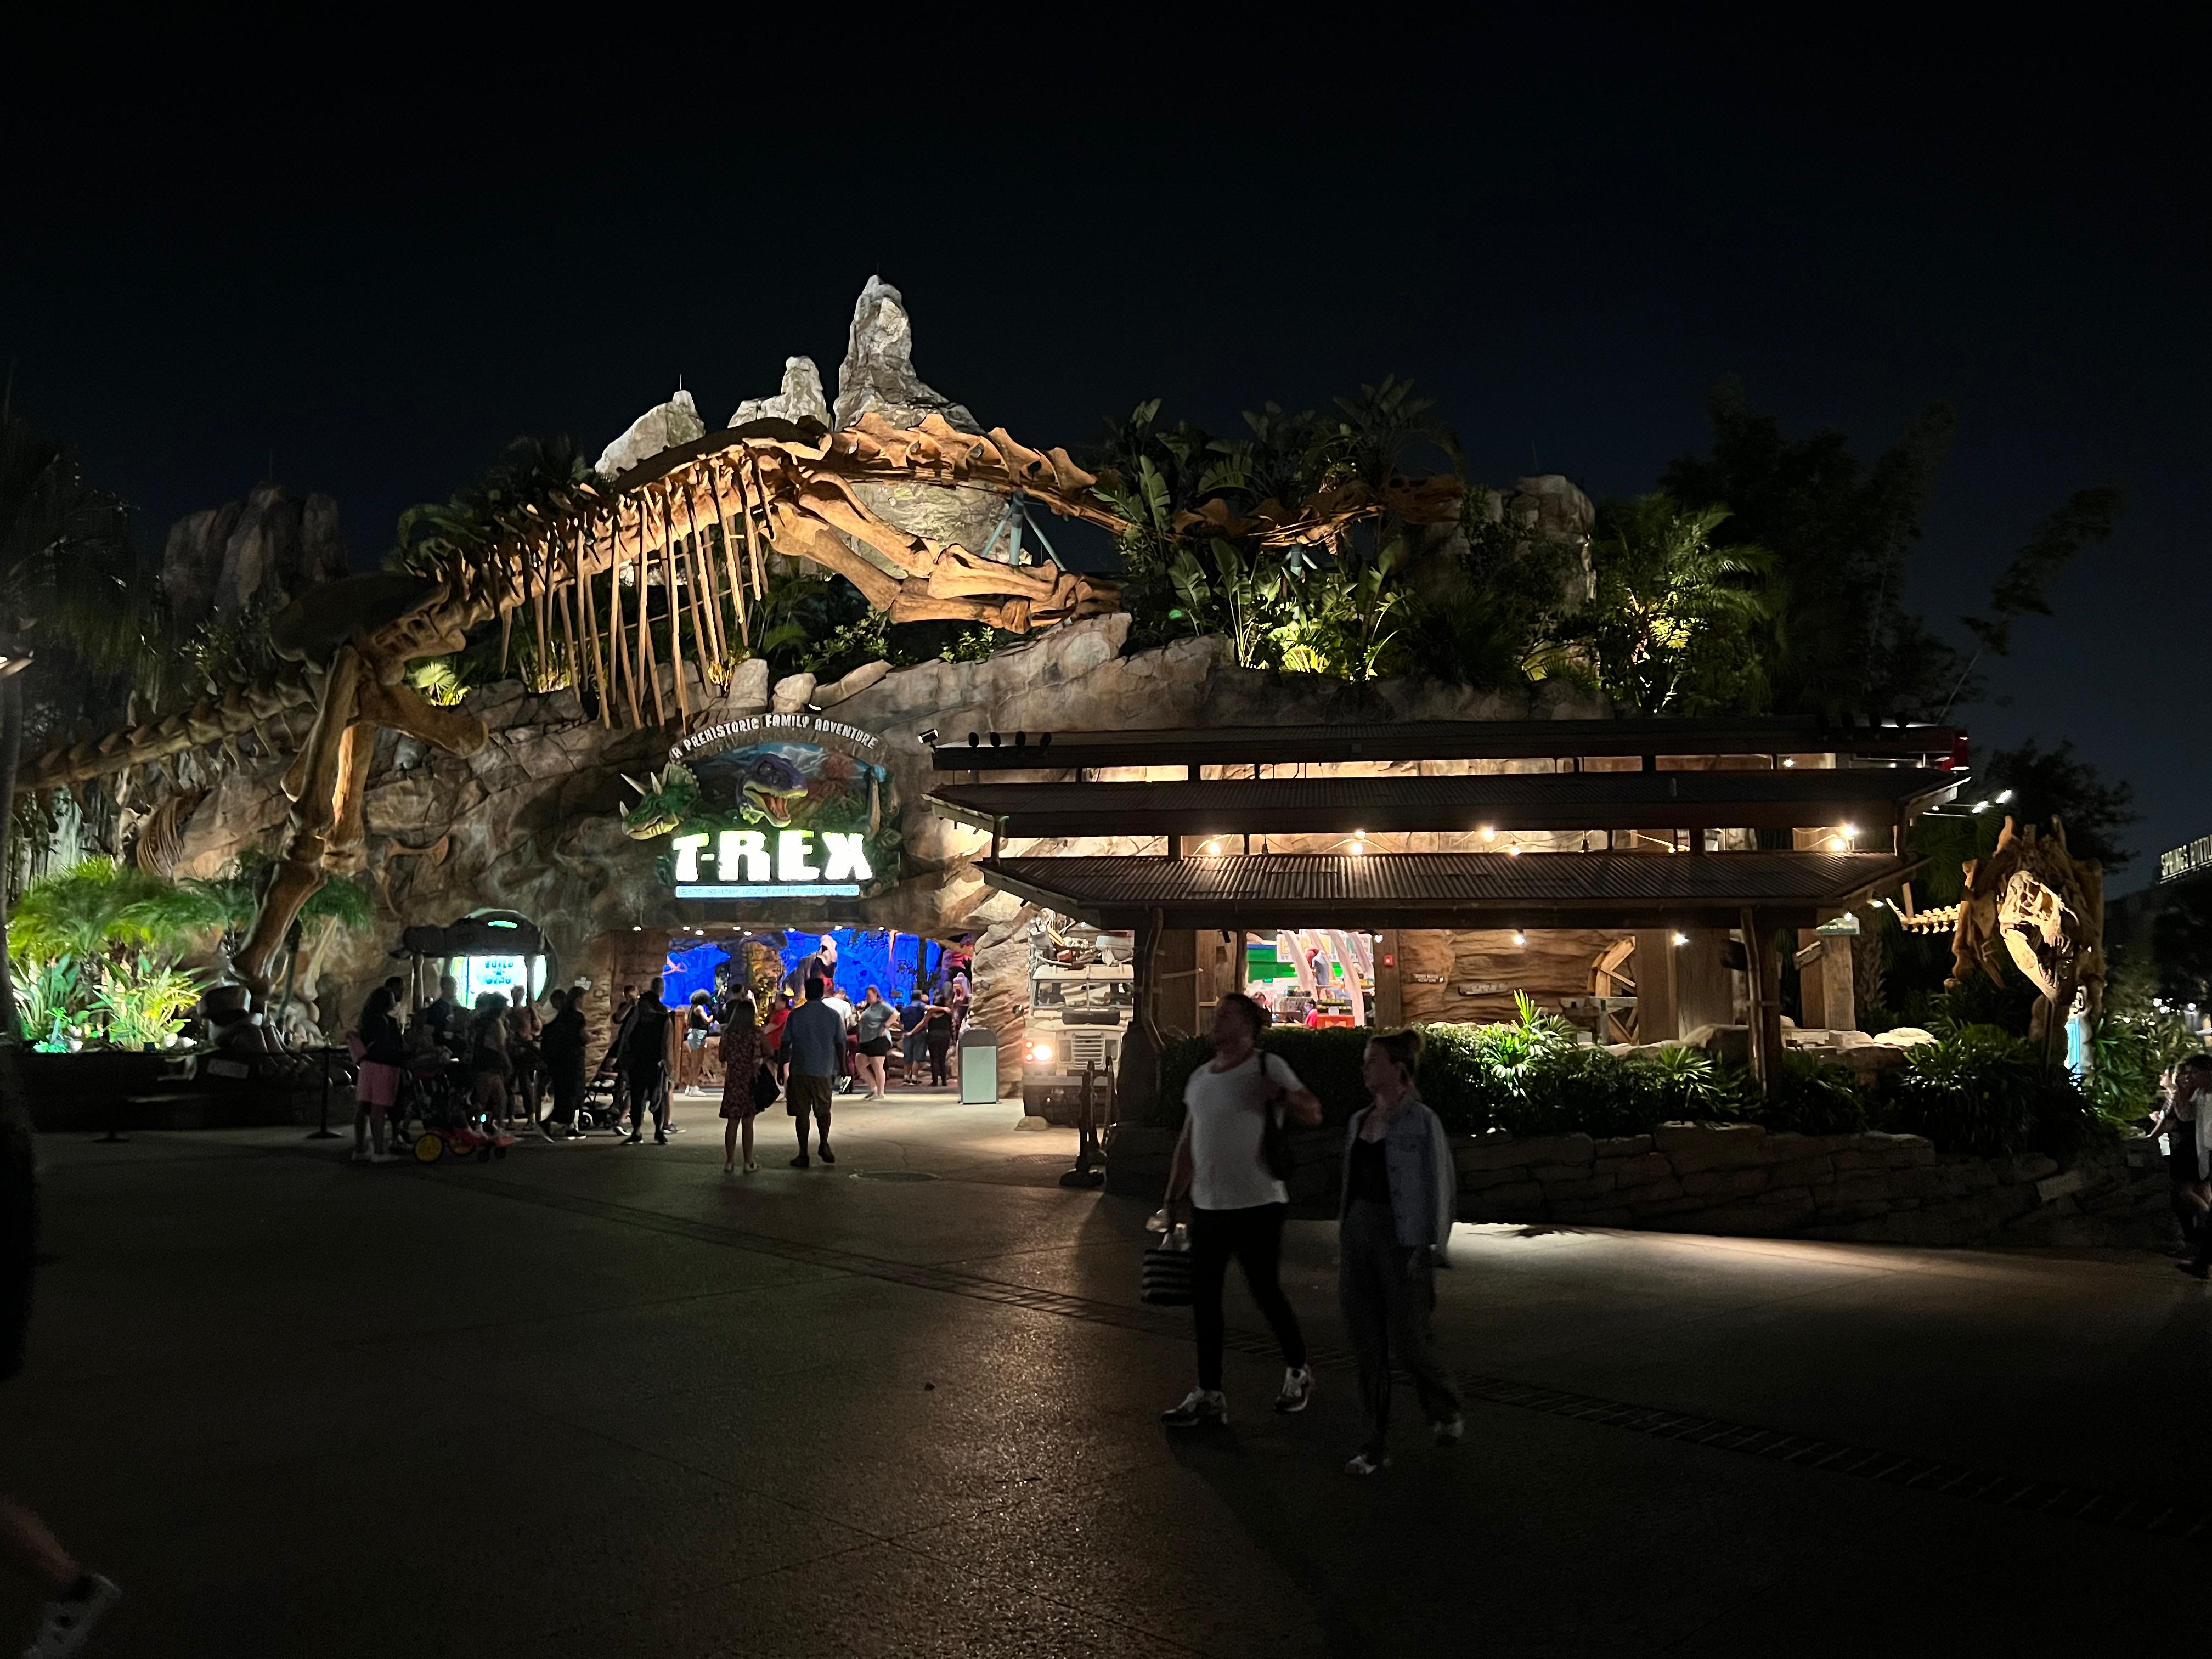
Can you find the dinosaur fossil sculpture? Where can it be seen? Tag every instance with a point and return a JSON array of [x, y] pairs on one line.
[[2032, 902], [696, 523]]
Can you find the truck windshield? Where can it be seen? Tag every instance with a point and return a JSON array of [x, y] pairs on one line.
[[1077, 993]]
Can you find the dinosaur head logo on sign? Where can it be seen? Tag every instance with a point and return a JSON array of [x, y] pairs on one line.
[[772, 806]]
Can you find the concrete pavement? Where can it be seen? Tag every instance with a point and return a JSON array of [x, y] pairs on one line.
[[599, 1400]]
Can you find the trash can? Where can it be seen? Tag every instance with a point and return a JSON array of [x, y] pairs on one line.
[[978, 1066]]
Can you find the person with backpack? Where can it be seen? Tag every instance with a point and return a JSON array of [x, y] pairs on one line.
[[376, 1082], [1394, 1211], [1235, 1107]]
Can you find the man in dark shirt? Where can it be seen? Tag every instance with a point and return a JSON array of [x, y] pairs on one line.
[[644, 1064], [561, 1047], [439, 1016]]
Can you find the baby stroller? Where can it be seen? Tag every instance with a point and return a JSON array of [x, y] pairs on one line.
[[435, 1091], [604, 1099]]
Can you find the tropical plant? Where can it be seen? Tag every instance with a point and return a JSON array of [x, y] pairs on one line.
[[1666, 634], [100, 907], [1981, 1090], [142, 999], [67, 569], [52, 1000]]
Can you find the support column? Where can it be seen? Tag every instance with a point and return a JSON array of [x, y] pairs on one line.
[[1390, 1012], [1657, 1019], [1826, 984], [1765, 1011]]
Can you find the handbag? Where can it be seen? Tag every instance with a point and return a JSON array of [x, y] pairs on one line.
[[1275, 1150], [764, 1088], [1169, 1280]]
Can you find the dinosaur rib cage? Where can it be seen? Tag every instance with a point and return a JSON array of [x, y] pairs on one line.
[[698, 522]]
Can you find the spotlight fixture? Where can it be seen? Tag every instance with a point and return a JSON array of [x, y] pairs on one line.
[[1838, 844], [1490, 832], [1513, 851], [1520, 938], [1681, 939], [994, 739], [1212, 849], [974, 738], [1021, 739], [1787, 761], [1045, 742], [1850, 832], [929, 737]]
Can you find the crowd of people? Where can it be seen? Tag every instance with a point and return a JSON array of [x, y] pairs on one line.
[[514, 1060]]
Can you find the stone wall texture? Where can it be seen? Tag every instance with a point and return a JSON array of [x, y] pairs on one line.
[[1738, 1180]]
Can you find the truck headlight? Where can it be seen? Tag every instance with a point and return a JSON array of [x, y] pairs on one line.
[[1040, 1052]]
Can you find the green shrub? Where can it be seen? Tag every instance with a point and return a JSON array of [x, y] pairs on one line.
[[1809, 1098], [1982, 1091]]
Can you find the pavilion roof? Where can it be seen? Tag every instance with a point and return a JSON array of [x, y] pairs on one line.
[[1807, 796], [1245, 745], [1452, 889]]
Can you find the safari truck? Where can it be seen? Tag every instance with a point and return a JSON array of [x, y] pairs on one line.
[[1082, 996]]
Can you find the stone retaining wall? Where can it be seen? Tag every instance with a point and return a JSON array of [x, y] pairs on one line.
[[1738, 1179]]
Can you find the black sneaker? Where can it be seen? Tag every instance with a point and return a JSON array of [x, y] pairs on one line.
[[800, 1162], [827, 1156], [1200, 1409], [660, 1139]]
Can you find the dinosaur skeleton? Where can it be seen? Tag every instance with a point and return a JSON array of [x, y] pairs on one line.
[[698, 522]]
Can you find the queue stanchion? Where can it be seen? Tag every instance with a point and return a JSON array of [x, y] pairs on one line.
[[323, 1130]]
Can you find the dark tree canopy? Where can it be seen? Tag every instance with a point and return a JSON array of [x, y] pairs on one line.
[[1840, 530]]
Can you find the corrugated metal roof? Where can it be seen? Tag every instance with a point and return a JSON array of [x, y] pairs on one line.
[[1508, 801], [1448, 889], [1387, 739]]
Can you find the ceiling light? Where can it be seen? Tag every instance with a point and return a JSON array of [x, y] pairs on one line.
[[1514, 851], [1359, 846], [1786, 761], [1490, 832], [1359, 835], [1212, 849], [1838, 844]]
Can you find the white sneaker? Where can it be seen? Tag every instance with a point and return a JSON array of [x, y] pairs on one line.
[[69, 1620], [1366, 1463], [1200, 1409], [384, 1157], [1297, 1390], [1451, 1433]]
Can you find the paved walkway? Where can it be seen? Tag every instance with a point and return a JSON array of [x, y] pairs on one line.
[[599, 1400]]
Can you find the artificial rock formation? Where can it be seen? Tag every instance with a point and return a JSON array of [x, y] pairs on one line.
[[662, 427], [532, 820], [878, 376], [258, 553], [800, 399]]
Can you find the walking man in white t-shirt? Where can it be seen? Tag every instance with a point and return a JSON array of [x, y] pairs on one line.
[[1237, 1203]]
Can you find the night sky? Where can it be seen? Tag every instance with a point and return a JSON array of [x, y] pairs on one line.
[[368, 262]]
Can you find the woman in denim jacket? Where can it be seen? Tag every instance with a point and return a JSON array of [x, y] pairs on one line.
[[1393, 1226]]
